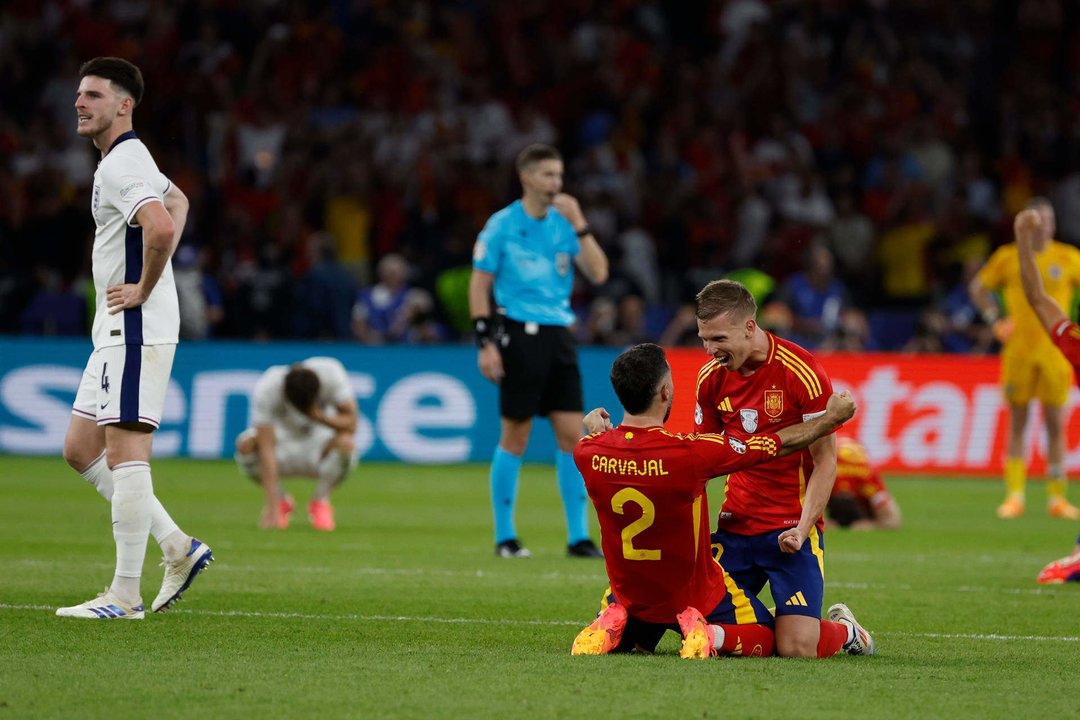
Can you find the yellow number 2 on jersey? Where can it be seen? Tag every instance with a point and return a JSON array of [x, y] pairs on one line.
[[648, 516]]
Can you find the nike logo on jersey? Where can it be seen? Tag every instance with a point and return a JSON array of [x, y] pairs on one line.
[[103, 406]]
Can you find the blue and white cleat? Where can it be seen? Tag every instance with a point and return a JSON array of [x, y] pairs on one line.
[[179, 575], [106, 606], [862, 643]]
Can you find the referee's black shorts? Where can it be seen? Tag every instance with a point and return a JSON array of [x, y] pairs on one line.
[[540, 370]]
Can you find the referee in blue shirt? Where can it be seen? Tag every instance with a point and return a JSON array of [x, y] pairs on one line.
[[524, 252]]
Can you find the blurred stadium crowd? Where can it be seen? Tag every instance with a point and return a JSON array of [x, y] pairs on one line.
[[852, 161]]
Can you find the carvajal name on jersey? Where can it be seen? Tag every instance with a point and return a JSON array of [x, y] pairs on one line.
[[618, 466]]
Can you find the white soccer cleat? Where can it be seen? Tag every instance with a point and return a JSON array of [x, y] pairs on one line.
[[106, 606], [862, 642], [180, 574]]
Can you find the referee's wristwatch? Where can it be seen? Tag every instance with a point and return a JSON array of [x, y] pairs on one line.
[[482, 331]]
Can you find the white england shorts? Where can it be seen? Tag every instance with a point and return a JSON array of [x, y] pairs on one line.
[[298, 453], [125, 383]]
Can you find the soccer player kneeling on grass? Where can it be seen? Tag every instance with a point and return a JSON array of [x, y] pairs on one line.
[[648, 488], [305, 417], [859, 499]]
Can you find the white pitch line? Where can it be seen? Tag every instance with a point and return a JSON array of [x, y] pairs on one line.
[[593, 578], [510, 621]]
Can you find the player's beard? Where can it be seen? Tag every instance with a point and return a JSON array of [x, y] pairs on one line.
[[667, 413], [93, 129]]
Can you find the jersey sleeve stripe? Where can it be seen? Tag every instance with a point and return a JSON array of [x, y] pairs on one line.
[[705, 372], [802, 370], [139, 204]]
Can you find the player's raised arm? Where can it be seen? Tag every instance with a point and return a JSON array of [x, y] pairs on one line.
[[1025, 226], [591, 259], [840, 408]]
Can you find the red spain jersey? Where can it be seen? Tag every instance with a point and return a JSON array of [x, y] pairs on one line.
[[789, 387], [648, 487], [1066, 336], [855, 475]]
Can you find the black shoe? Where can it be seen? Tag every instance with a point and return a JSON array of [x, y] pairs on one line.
[[584, 548], [512, 549]]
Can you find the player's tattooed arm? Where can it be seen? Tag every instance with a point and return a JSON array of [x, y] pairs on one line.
[[840, 409]]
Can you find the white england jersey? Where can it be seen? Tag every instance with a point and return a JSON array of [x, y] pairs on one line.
[[271, 407], [127, 178]]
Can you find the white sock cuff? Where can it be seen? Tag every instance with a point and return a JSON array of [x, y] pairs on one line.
[[132, 477], [100, 476], [94, 467], [719, 635]]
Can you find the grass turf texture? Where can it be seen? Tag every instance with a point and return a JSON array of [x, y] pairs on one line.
[[405, 612]]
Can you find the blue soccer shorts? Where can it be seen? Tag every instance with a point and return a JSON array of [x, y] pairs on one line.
[[797, 580]]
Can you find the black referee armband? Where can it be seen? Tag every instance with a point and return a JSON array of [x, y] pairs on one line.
[[482, 331]]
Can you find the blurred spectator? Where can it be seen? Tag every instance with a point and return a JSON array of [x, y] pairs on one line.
[[929, 332], [630, 326], [852, 334], [851, 238], [327, 290], [709, 137], [201, 304], [53, 310], [682, 331], [392, 311], [815, 296], [964, 332], [600, 324]]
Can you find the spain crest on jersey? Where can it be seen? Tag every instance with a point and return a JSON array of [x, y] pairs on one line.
[[749, 419], [774, 403]]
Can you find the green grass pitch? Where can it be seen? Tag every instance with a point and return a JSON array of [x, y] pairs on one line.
[[405, 612]]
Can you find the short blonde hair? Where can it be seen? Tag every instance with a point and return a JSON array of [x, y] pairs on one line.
[[725, 296]]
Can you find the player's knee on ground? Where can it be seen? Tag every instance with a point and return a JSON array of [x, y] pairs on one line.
[[796, 647], [799, 638]]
